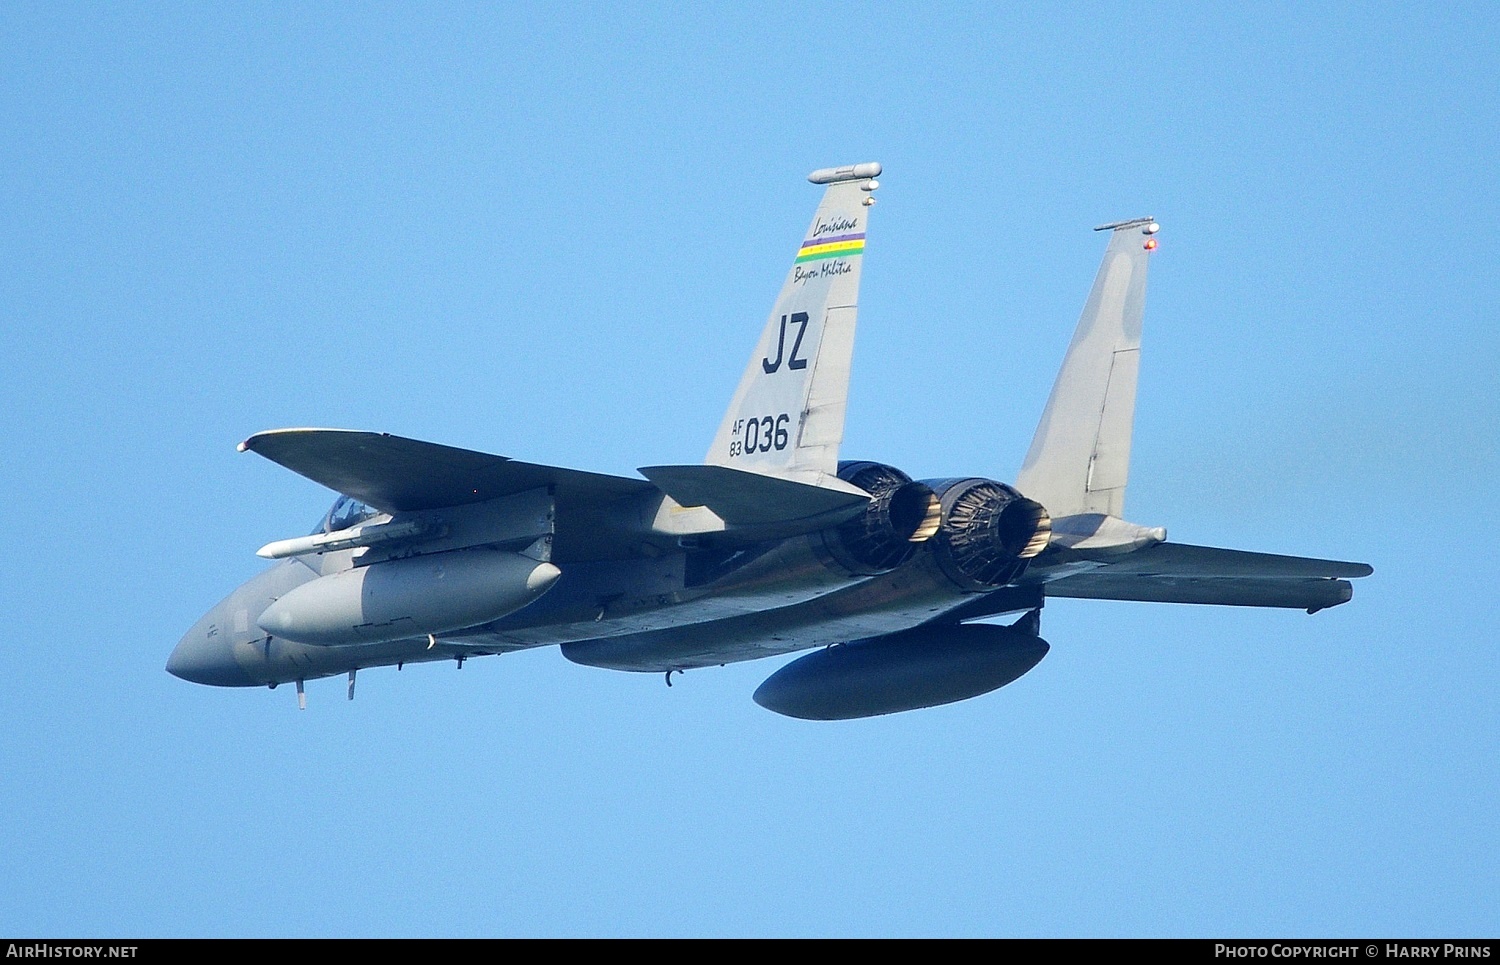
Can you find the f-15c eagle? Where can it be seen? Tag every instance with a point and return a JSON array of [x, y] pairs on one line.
[[771, 546]]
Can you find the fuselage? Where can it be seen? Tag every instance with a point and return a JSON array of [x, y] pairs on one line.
[[627, 615], [692, 608]]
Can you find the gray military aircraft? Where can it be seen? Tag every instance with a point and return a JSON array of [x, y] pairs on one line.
[[771, 546]]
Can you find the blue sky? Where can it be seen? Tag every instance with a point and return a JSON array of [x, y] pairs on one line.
[[553, 232]]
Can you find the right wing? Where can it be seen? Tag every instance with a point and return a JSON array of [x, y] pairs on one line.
[[395, 474], [1184, 573], [398, 475]]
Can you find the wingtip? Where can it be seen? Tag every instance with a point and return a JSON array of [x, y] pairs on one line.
[[252, 444]]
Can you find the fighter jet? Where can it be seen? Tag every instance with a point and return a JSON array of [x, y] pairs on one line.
[[772, 545]]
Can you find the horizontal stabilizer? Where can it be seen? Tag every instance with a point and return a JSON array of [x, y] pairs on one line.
[[1296, 594], [751, 499], [1183, 573], [1209, 562], [394, 474]]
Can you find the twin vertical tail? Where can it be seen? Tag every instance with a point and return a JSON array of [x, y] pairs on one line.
[[1079, 460], [786, 419]]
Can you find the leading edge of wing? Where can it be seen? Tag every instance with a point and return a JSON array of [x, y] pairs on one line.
[[1184, 573], [396, 474]]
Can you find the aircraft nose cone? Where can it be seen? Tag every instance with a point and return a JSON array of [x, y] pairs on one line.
[[204, 659]]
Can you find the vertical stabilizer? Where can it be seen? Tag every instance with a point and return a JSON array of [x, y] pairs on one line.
[[1079, 459], [787, 416]]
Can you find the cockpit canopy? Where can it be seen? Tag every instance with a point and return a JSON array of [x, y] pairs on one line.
[[346, 512]]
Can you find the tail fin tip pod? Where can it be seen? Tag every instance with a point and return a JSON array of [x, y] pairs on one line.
[[849, 172], [786, 418], [1079, 459]]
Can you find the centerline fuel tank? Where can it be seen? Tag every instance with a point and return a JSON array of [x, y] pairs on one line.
[[922, 667]]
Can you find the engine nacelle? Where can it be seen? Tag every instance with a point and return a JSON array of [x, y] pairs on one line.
[[412, 597], [900, 516], [988, 532]]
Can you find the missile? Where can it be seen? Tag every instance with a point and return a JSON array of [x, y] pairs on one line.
[[411, 597], [370, 534], [922, 667]]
